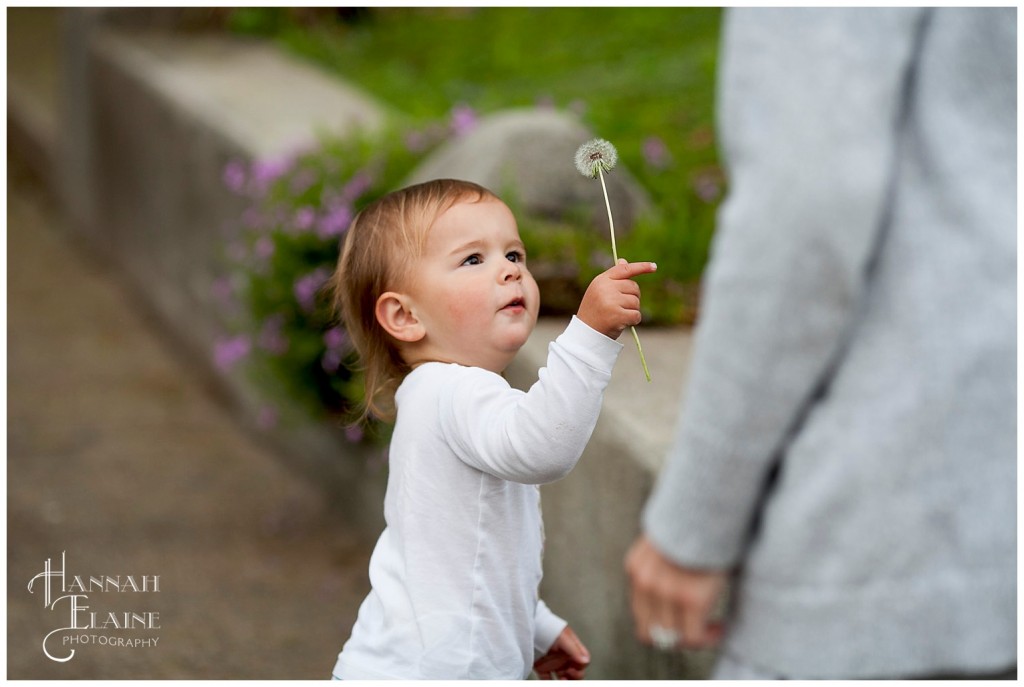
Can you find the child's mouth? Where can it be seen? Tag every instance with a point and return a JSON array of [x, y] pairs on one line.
[[516, 304]]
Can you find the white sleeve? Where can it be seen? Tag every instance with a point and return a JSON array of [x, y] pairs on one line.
[[537, 436], [547, 628]]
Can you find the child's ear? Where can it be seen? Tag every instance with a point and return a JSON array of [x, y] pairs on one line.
[[394, 313]]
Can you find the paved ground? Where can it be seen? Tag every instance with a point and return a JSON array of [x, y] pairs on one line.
[[120, 458]]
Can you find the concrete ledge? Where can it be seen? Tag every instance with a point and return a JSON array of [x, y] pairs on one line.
[[260, 100], [160, 115], [31, 100], [151, 122]]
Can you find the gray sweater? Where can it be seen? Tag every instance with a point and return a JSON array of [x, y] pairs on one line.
[[848, 441]]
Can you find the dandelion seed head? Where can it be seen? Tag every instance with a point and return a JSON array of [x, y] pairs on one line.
[[595, 155]]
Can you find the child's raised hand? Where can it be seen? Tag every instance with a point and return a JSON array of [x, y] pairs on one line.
[[567, 659], [612, 301]]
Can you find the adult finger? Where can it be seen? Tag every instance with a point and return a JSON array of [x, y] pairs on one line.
[[639, 598], [697, 628]]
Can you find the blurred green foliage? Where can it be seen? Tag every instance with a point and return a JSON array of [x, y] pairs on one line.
[[282, 251], [642, 78]]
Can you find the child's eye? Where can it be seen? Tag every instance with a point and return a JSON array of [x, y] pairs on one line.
[[516, 256], [473, 259]]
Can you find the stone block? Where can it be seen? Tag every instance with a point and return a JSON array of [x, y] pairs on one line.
[[154, 119], [531, 152]]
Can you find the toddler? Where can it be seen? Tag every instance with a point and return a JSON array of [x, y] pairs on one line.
[[433, 288]]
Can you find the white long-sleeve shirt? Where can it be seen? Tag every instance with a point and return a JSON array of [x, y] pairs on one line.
[[455, 574]]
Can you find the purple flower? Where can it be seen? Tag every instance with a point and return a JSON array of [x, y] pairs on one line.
[[264, 248], [267, 417], [307, 287], [359, 184], [223, 294], [304, 218], [253, 218], [223, 291], [707, 186], [463, 119], [578, 107], [415, 141], [334, 222], [279, 216], [271, 337], [227, 352], [234, 176], [330, 361], [266, 172], [302, 181], [335, 338], [418, 140], [656, 153], [354, 434], [545, 102]]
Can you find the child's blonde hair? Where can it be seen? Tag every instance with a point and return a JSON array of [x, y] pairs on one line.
[[379, 249]]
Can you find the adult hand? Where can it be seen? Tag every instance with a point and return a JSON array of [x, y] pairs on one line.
[[567, 658], [672, 599], [612, 301]]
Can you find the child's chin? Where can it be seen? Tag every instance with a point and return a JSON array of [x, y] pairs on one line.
[[518, 337]]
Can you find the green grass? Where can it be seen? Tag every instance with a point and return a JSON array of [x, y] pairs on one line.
[[632, 73]]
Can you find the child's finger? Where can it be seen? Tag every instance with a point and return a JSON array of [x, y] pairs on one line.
[[628, 270], [627, 286], [571, 645]]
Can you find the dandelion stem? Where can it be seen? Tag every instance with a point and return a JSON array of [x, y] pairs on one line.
[[611, 223], [615, 258], [640, 350]]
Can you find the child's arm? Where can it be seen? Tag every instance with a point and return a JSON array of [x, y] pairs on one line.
[[567, 659], [537, 436], [547, 628], [560, 653]]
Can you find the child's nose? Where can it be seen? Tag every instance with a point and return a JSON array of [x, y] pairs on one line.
[[511, 272]]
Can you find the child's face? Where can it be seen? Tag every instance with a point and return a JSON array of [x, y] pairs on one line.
[[471, 290]]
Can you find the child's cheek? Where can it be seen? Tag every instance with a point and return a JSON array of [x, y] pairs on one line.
[[534, 297], [462, 307]]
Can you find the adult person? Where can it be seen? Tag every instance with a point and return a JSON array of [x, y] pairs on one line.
[[847, 449]]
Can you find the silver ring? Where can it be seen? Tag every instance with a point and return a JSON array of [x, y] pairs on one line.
[[664, 638]]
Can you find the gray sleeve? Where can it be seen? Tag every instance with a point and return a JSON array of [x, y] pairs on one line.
[[809, 107]]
